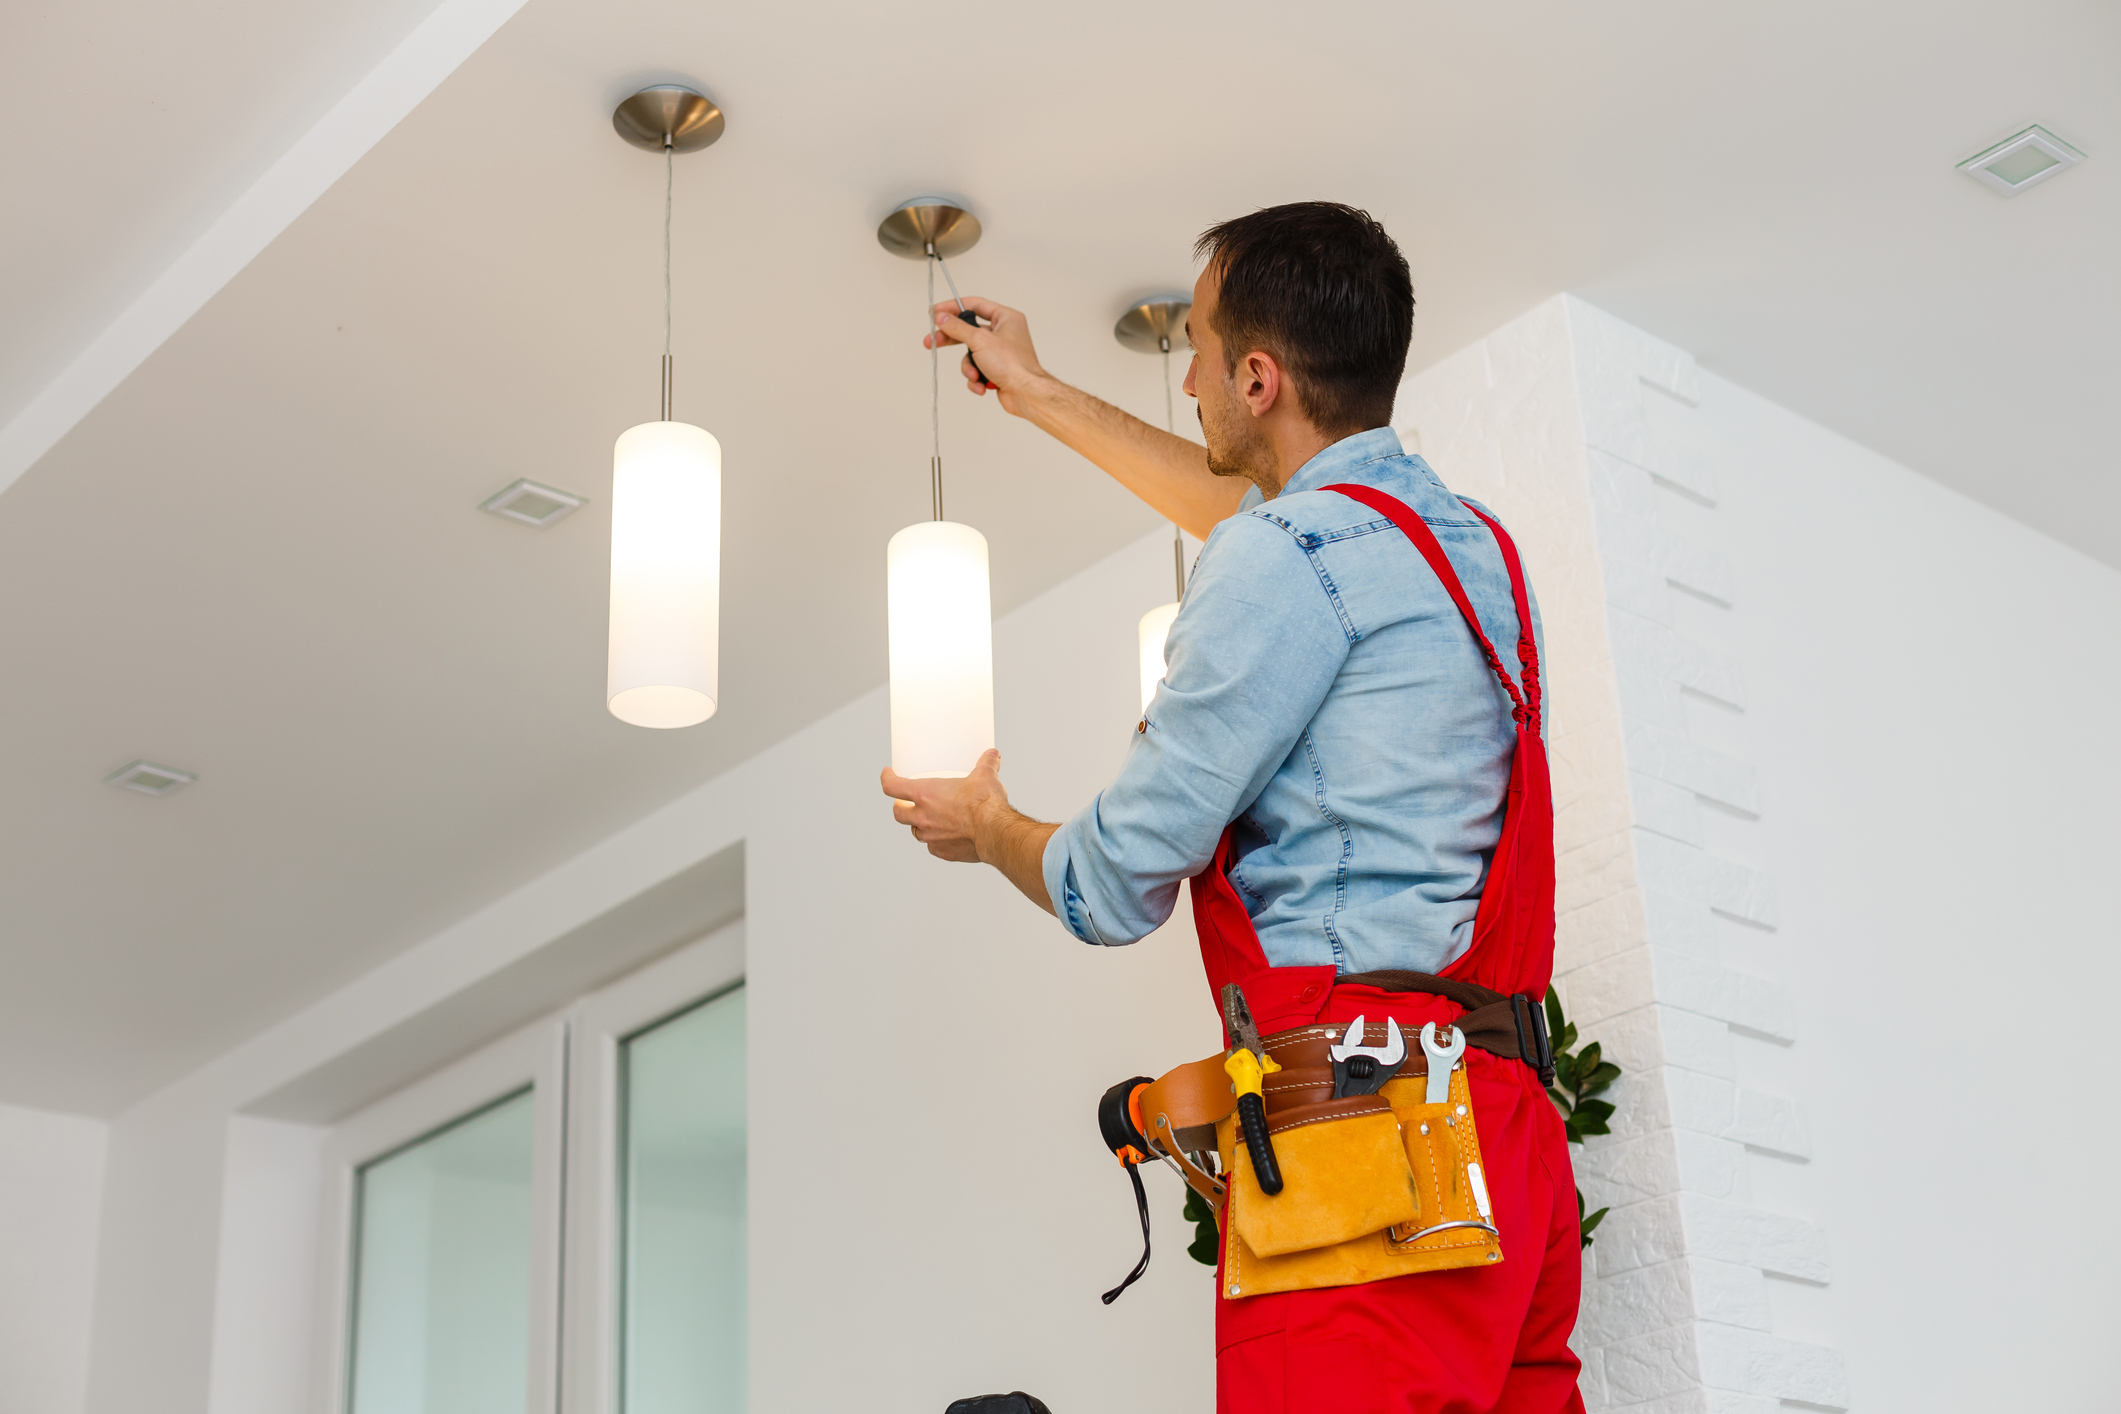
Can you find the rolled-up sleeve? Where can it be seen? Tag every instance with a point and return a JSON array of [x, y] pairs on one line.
[[1250, 657]]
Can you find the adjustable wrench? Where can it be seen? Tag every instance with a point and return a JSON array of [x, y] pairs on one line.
[[1363, 1070]]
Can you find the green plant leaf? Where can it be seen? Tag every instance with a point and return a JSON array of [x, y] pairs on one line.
[[1565, 1072], [1594, 1110], [1584, 1225], [1575, 1133], [1207, 1239], [1600, 1078], [1561, 1101], [1555, 1020], [1588, 1058], [1564, 1038]]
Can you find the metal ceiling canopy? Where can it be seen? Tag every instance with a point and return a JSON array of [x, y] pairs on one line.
[[929, 220], [1155, 325], [691, 121]]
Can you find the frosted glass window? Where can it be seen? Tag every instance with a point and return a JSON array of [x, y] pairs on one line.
[[683, 1216], [442, 1270]]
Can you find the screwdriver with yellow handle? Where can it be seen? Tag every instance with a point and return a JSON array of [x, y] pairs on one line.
[[1248, 1066]]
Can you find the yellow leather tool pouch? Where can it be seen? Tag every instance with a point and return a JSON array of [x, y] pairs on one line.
[[1345, 1172], [1410, 1168]]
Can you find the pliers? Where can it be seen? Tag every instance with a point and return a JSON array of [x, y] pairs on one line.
[[1248, 1066]]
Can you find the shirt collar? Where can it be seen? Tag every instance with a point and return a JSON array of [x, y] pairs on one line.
[[1340, 461]]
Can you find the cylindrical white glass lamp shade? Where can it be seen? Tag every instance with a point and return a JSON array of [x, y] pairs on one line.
[[666, 575], [1155, 628], [942, 649]]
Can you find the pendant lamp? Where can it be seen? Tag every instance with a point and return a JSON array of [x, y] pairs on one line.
[[941, 624], [1152, 327], [666, 495]]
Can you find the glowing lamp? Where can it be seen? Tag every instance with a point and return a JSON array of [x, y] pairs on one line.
[[666, 575], [942, 649]]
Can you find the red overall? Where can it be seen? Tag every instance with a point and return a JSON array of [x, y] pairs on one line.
[[1475, 1338]]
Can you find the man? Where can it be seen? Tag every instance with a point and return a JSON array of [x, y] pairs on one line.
[[1328, 761]]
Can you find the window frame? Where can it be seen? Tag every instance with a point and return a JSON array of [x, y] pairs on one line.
[[601, 1023], [533, 1058]]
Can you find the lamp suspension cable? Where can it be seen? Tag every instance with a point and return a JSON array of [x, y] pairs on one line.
[[935, 393], [1170, 417], [669, 167], [935, 373]]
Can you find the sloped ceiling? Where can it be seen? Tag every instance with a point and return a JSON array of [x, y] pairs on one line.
[[259, 557]]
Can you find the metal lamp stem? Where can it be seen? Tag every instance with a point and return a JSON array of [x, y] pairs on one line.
[[669, 169]]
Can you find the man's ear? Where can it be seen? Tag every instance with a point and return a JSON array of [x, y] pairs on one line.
[[1260, 382]]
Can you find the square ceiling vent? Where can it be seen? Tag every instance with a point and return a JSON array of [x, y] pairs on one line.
[[531, 503], [2018, 162], [148, 778]]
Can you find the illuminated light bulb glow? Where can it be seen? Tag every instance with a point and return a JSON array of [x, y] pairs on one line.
[[1155, 628], [666, 572], [942, 649]]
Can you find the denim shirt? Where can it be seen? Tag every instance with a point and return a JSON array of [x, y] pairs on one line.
[[1325, 695]]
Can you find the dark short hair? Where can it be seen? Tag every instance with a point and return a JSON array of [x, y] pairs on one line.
[[1322, 288]]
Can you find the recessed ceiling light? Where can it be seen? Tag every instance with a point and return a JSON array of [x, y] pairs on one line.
[[2021, 161], [531, 503], [148, 778]]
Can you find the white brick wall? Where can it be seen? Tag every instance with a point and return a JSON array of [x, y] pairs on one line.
[[1544, 420]]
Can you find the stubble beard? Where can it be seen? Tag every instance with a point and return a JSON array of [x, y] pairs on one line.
[[1237, 450]]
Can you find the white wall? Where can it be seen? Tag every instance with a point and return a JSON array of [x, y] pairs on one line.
[[51, 1187], [1930, 690], [272, 1193]]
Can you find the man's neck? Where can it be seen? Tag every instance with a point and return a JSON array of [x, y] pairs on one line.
[[1290, 449]]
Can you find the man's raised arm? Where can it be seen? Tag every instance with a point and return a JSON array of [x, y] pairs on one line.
[[1170, 473]]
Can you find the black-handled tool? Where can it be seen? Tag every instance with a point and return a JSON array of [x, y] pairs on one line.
[[1248, 1066], [973, 319], [965, 314], [1252, 1118]]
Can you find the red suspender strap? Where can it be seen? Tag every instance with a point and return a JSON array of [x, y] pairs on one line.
[[1513, 933], [1527, 646], [1525, 704]]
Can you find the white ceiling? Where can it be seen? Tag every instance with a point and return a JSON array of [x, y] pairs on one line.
[[129, 127], [258, 558]]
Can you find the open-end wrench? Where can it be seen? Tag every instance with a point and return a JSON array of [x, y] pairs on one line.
[[1441, 1059]]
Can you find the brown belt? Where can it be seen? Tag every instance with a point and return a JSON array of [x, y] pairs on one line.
[[1514, 1028], [1193, 1097]]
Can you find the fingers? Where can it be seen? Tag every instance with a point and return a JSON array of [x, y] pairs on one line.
[[900, 788], [951, 329], [989, 764], [974, 379]]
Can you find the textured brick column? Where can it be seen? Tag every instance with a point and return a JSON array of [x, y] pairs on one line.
[[1545, 420]]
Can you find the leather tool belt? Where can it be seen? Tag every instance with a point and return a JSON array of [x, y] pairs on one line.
[[1375, 1186]]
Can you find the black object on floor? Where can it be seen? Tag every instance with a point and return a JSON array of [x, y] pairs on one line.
[[1017, 1403]]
